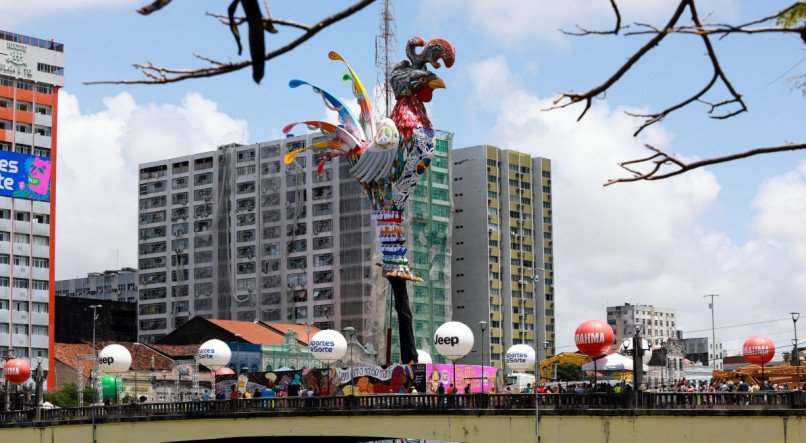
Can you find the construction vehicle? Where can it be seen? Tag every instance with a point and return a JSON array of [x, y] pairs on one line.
[[547, 365], [776, 374]]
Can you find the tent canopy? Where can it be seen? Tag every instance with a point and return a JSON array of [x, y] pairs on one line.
[[612, 362]]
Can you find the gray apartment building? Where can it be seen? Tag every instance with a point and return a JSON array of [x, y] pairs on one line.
[[115, 285], [503, 253], [657, 324], [237, 234]]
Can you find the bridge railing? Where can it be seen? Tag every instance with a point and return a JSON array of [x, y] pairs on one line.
[[424, 403]]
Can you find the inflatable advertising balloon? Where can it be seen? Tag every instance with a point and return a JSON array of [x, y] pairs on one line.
[[328, 346], [520, 358], [594, 338], [453, 340], [17, 371], [214, 354], [114, 359]]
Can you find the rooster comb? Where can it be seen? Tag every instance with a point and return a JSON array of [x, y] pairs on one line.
[[434, 50]]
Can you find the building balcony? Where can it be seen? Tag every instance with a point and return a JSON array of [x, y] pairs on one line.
[[496, 332], [496, 316], [495, 300]]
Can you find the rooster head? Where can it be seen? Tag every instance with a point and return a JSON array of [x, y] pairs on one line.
[[410, 78]]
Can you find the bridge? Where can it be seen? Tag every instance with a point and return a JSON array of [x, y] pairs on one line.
[[645, 416]]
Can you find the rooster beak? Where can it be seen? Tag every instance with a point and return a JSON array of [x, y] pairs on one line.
[[436, 83]]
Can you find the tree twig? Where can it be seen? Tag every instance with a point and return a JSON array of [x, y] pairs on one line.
[[268, 22], [718, 74], [162, 75], [661, 158], [584, 31], [588, 96]]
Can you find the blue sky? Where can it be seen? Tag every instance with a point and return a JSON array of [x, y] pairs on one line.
[[734, 229]]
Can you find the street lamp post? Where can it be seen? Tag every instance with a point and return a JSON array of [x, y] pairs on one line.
[[713, 333], [796, 353], [537, 398], [93, 371], [483, 325], [136, 347], [348, 331], [38, 380]]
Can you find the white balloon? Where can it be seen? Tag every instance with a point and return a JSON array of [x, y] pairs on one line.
[[114, 359], [328, 346], [453, 340], [214, 354], [423, 357], [520, 358]]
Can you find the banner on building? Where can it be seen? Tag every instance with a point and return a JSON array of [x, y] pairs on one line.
[[24, 176]]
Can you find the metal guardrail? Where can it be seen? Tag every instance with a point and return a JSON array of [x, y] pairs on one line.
[[419, 403]]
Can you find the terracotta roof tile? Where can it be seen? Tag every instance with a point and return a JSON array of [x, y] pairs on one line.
[[143, 357], [301, 330], [255, 333], [177, 352]]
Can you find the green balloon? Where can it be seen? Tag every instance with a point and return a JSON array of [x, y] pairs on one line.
[[108, 383]]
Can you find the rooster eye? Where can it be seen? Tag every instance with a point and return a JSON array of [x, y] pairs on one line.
[[422, 80]]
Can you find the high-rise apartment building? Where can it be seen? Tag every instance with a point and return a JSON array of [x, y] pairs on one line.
[[503, 253], [656, 324], [428, 238], [118, 285], [31, 73], [236, 234]]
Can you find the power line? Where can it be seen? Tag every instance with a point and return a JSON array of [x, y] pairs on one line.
[[708, 329]]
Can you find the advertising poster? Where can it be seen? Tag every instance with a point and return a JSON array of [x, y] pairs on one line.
[[367, 380], [465, 374], [24, 176]]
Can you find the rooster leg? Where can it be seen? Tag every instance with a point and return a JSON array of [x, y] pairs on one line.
[[390, 233], [408, 351]]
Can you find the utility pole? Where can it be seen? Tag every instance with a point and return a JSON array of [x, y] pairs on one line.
[[713, 333]]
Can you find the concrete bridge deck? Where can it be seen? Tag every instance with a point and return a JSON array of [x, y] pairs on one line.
[[499, 418]]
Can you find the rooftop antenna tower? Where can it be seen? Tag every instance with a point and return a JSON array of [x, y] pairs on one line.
[[384, 53]]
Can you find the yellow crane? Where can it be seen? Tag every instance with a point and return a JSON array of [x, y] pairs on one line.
[[547, 365]]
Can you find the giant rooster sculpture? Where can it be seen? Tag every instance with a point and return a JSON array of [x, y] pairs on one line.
[[387, 156]]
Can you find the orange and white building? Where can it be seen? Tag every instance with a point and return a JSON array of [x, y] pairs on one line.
[[31, 73]]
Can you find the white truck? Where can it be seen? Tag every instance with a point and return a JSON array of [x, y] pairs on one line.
[[517, 381]]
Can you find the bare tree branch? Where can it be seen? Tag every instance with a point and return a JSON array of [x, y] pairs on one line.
[[156, 6], [584, 31], [661, 158], [156, 74], [268, 23], [588, 97], [718, 74]]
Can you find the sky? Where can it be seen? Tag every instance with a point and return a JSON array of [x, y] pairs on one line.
[[736, 230]]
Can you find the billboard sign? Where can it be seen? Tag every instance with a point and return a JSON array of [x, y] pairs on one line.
[[24, 176]]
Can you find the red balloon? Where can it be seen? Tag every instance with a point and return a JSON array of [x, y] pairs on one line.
[[17, 370], [594, 338], [224, 371], [758, 350]]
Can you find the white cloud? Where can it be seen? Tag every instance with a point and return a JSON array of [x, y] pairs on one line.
[[507, 21], [98, 160], [16, 12], [645, 242]]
